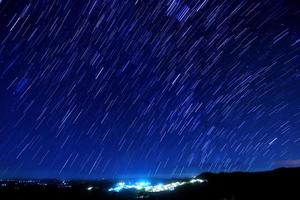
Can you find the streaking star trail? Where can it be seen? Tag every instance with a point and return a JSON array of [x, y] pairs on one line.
[[127, 89]]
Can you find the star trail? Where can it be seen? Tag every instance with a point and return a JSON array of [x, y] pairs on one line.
[[146, 88]]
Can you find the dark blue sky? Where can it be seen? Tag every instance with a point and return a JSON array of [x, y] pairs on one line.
[[116, 88]]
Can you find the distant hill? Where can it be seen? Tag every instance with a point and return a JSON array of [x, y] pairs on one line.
[[281, 183], [276, 172]]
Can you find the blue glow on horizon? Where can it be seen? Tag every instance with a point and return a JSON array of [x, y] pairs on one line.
[[146, 186]]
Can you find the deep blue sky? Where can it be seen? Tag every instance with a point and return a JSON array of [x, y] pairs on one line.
[[115, 88]]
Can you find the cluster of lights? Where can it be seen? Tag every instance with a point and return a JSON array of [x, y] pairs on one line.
[[64, 184], [137, 186], [4, 183], [90, 188], [147, 187]]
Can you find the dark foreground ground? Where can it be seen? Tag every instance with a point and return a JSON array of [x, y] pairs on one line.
[[278, 184]]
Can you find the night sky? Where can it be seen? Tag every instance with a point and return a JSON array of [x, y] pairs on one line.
[[148, 88]]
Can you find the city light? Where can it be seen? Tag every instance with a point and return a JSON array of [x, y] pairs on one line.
[[89, 188], [147, 187]]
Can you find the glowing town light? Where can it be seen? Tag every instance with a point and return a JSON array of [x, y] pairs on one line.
[[120, 186], [196, 181], [147, 187], [89, 188]]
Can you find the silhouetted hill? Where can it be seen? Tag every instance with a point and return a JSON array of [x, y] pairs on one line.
[[277, 184]]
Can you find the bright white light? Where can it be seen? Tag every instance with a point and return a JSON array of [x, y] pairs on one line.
[[89, 188], [147, 187], [196, 181]]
